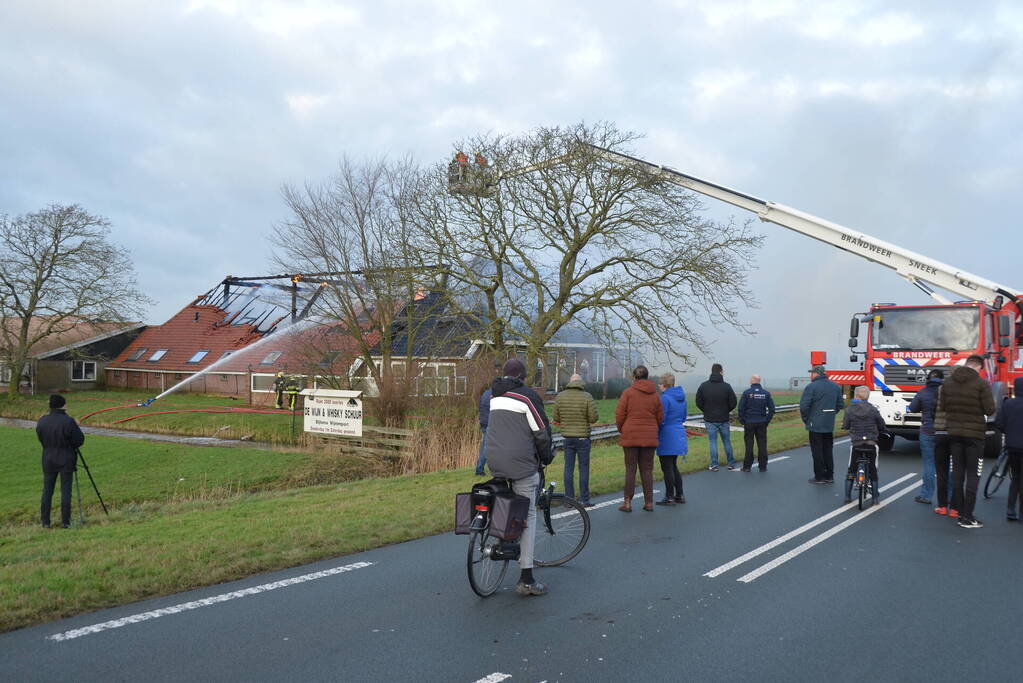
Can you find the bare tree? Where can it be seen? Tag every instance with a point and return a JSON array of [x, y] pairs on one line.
[[357, 224], [548, 231], [58, 270]]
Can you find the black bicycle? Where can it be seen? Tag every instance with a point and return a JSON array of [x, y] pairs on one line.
[[562, 535], [862, 481], [999, 474]]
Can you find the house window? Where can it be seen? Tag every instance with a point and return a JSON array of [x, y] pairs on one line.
[[262, 383], [599, 366], [199, 355], [5, 374], [439, 379], [83, 371], [271, 358], [157, 355], [138, 353], [328, 359], [225, 355]]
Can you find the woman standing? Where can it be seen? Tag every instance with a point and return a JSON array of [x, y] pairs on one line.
[[672, 439], [639, 415]]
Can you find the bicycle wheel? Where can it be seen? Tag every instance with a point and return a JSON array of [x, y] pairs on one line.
[[485, 574], [571, 525], [997, 475], [864, 489]]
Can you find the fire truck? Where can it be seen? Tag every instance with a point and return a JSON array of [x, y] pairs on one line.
[[903, 343]]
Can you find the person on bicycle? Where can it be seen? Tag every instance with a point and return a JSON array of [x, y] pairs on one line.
[[518, 445], [1010, 423], [864, 424]]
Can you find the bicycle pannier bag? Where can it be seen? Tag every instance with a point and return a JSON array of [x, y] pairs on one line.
[[508, 518], [463, 512]]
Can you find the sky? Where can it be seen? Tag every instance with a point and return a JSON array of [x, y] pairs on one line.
[[180, 121]]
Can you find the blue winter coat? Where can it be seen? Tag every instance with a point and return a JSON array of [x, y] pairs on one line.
[[755, 406], [671, 437], [925, 401], [819, 405], [485, 409]]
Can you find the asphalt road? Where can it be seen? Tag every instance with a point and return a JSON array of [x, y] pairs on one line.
[[894, 594]]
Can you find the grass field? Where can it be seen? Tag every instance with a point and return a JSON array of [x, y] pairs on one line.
[[183, 517]]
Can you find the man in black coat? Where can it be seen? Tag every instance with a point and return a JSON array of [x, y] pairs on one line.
[[716, 399], [61, 437]]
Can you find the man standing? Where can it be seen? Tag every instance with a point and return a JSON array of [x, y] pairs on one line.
[[756, 408], [518, 444], [925, 401], [481, 460], [278, 388], [575, 410], [966, 401], [60, 437], [818, 406], [1010, 423], [716, 400]]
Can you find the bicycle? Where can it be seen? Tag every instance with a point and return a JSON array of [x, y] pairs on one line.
[[998, 474], [862, 480], [560, 537]]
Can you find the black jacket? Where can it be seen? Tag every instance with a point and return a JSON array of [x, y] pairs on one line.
[[60, 436], [715, 399], [966, 399], [1010, 417], [518, 431], [863, 421], [925, 401], [756, 406]]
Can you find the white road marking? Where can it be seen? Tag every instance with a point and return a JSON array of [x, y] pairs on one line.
[[606, 503], [778, 561], [205, 602], [494, 678], [795, 532]]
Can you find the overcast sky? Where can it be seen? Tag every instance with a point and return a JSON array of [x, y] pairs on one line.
[[179, 121]]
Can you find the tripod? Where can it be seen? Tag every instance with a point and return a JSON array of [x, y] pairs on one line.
[[81, 512]]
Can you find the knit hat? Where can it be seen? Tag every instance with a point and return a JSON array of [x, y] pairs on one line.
[[57, 401], [513, 367]]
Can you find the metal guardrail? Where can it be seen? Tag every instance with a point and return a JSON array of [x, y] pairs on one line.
[[611, 431]]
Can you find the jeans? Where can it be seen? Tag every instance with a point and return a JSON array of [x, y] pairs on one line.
[[725, 430], [822, 446], [481, 460], [759, 433], [527, 487], [49, 483], [967, 464], [927, 454], [575, 446]]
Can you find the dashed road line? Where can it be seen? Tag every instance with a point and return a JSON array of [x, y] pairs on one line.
[[205, 602], [495, 677], [777, 562], [795, 532]]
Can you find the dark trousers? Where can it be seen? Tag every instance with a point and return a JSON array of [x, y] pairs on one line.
[[854, 456], [822, 450], [672, 477], [1015, 465], [577, 448], [642, 457], [942, 465], [967, 463], [49, 483], [758, 432]]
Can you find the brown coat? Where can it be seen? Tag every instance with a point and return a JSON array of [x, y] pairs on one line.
[[639, 414], [964, 400]]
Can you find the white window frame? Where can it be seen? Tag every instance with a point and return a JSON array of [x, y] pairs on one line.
[[252, 383], [84, 364], [271, 358], [198, 357], [157, 355]]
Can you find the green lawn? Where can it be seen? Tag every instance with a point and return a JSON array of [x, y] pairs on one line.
[[184, 517]]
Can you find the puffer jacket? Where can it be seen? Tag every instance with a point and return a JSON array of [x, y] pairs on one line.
[[639, 414], [925, 401], [1010, 417], [575, 410], [819, 405], [60, 437], [671, 438], [518, 432], [863, 421], [966, 400], [716, 399]]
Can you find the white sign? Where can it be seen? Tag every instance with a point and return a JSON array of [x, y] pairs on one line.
[[333, 411]]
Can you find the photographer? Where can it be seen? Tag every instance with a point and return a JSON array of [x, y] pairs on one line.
[[60, 437]]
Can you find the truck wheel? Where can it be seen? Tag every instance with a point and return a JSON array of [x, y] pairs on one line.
[[885, 441], [992, 446]]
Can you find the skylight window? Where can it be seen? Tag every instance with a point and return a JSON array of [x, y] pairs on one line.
[[226, 354], [138, 353], [271, 358], [157, 355], [199, 355]]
